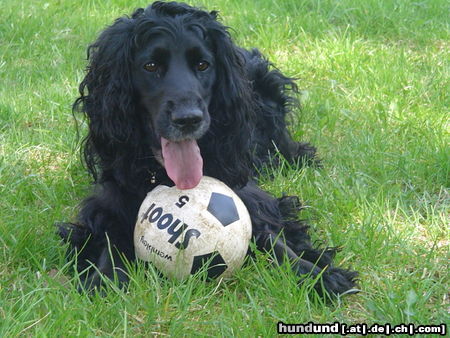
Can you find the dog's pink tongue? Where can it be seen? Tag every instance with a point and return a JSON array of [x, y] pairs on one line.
[[183, 162]]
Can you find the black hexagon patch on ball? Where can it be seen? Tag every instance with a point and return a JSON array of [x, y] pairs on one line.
[[223, 208], [215, 265]]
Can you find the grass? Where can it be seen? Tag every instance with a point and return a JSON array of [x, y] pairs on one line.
[[375, 81]]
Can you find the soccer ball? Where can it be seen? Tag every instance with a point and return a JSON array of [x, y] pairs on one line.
[[184, 231]]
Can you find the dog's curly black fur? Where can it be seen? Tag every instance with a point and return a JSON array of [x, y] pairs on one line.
[[171, 73]]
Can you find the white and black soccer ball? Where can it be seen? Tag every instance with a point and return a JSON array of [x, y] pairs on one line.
[[183, 231]]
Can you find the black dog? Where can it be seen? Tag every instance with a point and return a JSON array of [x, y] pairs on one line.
[[169, 97]]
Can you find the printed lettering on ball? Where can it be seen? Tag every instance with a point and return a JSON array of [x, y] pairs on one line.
[[182, 232]]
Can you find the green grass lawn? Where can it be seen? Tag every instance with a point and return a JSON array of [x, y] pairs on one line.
[[375, 90]]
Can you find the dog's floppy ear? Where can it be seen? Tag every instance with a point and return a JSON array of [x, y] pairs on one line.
[[106, 93], [232, 108]]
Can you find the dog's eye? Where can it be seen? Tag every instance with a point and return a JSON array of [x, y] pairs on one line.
[[202, 66], [151, 67]]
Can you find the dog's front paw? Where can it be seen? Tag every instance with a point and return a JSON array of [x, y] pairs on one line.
[[337, 281], [72, 233]]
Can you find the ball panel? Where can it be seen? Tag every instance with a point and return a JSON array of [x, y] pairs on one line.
[[213, 262], [223, 208]]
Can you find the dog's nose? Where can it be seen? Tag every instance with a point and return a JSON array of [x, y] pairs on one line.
[[187, 119]]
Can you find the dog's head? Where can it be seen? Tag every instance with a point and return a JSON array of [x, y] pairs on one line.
[[174, 71], [170, 76]]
